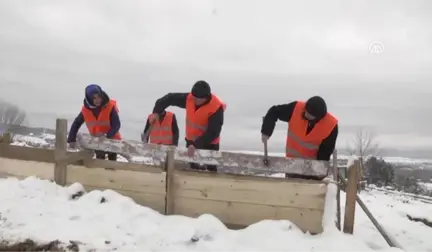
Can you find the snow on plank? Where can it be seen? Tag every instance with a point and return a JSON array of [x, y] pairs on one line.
[[247, 162]]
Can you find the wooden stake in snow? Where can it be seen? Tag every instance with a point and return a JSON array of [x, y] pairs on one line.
[[60, 152], [351, 194], [336, 179], [351, 207]]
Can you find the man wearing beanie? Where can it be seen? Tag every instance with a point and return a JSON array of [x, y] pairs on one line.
[[100, 113], [312, 131], [204, 118]]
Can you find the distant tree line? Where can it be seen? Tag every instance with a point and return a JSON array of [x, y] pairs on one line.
[[377, 171]]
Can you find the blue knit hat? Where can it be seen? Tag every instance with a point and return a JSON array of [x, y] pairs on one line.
[[90, 91]]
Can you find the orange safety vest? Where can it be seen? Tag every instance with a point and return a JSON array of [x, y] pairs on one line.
[[161, 132], [197, 119], [300, 145], [102, 123]]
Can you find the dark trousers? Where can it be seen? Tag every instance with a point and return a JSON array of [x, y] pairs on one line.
[[195, 166], [103, 154]]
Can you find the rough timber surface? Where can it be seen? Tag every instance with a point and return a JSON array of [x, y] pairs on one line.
[[242, 200], [147, 189], [245, 162]]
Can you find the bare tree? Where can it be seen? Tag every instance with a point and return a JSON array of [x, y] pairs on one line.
[[363, 145], [11, 114]]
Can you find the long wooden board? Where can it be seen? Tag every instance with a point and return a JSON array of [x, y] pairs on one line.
[[26, 153], [246, 162], [147, 189], [242, 200]]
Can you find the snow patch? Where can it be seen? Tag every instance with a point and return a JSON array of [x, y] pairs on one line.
[[30, 141], [330, 218], [350, 161], [43, 211]]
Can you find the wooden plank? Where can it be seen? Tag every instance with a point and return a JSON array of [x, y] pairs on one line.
[[152, 183], [389, 239], [336, 180], [186, 169], [140, 182], [121, 166], [27, 153], [23, 169], [351, 194], [241, 214], [147, 189], [247, 189], [47, 155], [74, 157], [246, 162], [152, 201], [60, 152], [170, 184]]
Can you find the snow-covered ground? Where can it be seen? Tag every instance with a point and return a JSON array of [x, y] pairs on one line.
[[391, 211], [427, 186], [42, 211]]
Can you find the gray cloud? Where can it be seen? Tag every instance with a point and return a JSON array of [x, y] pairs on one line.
[[254, 54]]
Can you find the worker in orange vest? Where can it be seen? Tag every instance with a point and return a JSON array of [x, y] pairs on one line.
[[163, 131], [312, 131], [204, 118], [100, 114]]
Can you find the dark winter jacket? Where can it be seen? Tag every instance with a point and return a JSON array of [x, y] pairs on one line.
[[215, 121], [79, 120], [284, 112]]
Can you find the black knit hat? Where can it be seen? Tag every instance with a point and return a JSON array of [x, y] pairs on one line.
[[316, 106], [201, 89]]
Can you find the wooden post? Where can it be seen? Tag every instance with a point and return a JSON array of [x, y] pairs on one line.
[[60, 152], [351, 194], [336, 179], [5, 138], [169, 180], [390, 241]]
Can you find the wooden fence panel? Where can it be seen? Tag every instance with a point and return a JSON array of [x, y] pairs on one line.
[[247, 162], [241, 200], [237, 200]]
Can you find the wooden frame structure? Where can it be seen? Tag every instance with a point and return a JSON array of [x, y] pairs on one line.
[[237, 200], [352, 198]]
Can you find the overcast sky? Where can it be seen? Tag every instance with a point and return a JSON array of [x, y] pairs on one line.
[[253, 53]]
